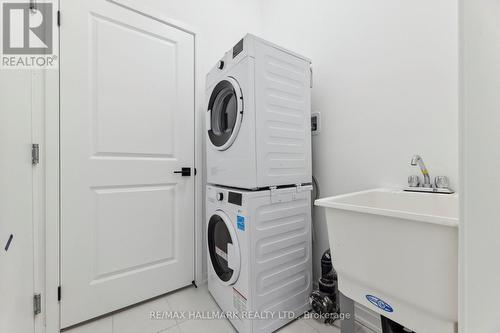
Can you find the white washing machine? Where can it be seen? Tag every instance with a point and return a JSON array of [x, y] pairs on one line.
[[259, 255], [258, 117]]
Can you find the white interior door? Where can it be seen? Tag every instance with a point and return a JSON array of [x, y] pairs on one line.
[[127, 123], [16, 204]]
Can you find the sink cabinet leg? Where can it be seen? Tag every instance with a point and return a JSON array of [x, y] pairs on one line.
[[347, 307]]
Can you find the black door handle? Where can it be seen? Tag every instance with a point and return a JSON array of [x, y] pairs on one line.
[[185, 172]]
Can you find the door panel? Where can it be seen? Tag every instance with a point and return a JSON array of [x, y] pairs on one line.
[[148, 240], [132, 116], [127, 123]]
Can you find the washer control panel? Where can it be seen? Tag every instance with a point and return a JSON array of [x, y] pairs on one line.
[[222, 195]]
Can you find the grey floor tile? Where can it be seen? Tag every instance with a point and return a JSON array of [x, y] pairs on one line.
[[321, 327], [297, 326], [139, 319], [190, 300], [206, 326], [174, 329]]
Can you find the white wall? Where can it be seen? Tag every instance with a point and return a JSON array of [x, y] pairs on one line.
[[480, 231], [386, 84], [220, 23]]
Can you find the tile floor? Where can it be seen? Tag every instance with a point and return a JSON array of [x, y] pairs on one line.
[[137, 319]]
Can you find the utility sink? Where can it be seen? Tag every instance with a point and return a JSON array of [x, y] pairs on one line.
[[396, 252]]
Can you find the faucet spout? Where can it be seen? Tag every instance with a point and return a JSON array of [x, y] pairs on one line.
[[418, 160]]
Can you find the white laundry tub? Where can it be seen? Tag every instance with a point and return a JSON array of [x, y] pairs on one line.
[[396, 252]]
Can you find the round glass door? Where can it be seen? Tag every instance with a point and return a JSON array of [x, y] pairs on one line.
[[223, 248], [225, 109]]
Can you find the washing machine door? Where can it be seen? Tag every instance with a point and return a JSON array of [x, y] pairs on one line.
[[224, 113], [223, 248]]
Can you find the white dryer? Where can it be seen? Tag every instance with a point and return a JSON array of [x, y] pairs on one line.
[[259, 255], [258, 117]]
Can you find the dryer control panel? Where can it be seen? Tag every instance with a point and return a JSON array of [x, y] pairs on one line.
[[238, 48]]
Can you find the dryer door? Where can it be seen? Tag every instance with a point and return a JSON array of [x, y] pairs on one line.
[[223, 248], [224, 113]]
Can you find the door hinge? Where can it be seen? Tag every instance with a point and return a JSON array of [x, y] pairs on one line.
[[58, 18], [37, 304], [59, 293], [35, 153]]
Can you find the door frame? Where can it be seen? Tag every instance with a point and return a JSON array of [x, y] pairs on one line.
[[52, 169]]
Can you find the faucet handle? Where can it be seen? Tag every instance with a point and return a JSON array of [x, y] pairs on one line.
[[442, 182], [414, 181]]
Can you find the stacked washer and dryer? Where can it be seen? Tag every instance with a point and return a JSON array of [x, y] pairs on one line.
[[258, 204]]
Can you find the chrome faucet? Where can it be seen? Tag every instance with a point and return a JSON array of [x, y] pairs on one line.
[[441, 183], [418, 160]]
